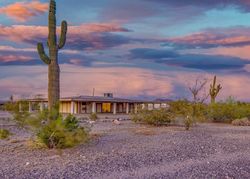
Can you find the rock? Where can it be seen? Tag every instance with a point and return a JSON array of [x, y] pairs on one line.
[[117, 122]]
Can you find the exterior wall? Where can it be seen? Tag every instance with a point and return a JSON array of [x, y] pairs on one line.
[[65, 107], [68, 107], [89, 108]]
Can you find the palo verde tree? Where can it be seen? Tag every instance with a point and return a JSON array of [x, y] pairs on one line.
[[214, 90], [52, 59]]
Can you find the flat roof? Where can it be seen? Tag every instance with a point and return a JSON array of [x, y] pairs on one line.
[[101, 99], [98, 99]]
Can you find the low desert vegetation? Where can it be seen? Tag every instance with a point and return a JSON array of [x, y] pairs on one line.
[[227, 111], [241, 122], [184, 112], [4, 133], [62, 132], [20, 114], [154, 117], [93, 116]]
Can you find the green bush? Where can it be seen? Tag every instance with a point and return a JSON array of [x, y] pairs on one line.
[[4, 134], [181, 108], [154, 117], [186, 112], [93, 116], [188, 122], [241, 122], [62, 133], [186, 109], [227, 111]]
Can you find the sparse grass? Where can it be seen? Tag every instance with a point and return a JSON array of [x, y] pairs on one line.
[[4, 133], [93, 116], [241, 122], [35, 144], [145, 131]]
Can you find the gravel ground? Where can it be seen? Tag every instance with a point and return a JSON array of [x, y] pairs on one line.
[[134, 151]]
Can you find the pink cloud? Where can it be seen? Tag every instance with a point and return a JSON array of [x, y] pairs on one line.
[[91, 35], [247, 68], [122, 81], [242, 52], [212, 38], [13, 58], [13, 49], [75, 61], [22, 11], [141, 82]]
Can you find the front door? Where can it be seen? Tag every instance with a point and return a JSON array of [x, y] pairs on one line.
[[106, 107]]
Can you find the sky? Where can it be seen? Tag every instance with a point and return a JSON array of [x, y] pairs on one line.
[[142, 49]]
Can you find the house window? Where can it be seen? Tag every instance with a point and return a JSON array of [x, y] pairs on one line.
[[106, 107]]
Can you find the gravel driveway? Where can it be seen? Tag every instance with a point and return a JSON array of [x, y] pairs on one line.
[[134, 151]]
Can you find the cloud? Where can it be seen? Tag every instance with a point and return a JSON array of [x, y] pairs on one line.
[[22, 11], [206, 4], [14, 58], [212, 38], [247, 68], [29, 56], [241, 52], [4, 48], [142, 83], [194, 61], [147, 53], [206, 62], [86, 36]]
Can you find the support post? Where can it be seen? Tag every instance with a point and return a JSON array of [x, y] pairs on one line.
[[127, 108], [20, 107], [72, 107], [114, 108], [136, 108], [94, 107], [41, 106], [30, 107]]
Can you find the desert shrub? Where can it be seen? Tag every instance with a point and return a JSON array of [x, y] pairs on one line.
[[187, 112], [153, 117], [19, 116], [188, 122], [241, 122], [227, 111], [93, 116], [4, 133], [62, 133], [184, 108]]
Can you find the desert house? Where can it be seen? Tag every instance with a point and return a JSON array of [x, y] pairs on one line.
[[106, 104]]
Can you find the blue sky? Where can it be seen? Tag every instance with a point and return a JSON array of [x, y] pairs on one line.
[[133, 48]]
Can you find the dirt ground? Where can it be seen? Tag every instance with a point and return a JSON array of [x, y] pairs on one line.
[[131, 150]]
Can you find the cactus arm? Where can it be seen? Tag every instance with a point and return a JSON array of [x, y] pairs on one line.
[[214, 90], [42, 54], [219, 87], [63, 34]]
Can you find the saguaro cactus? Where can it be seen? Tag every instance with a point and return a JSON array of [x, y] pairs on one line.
[[52, 59], [214, 90]]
